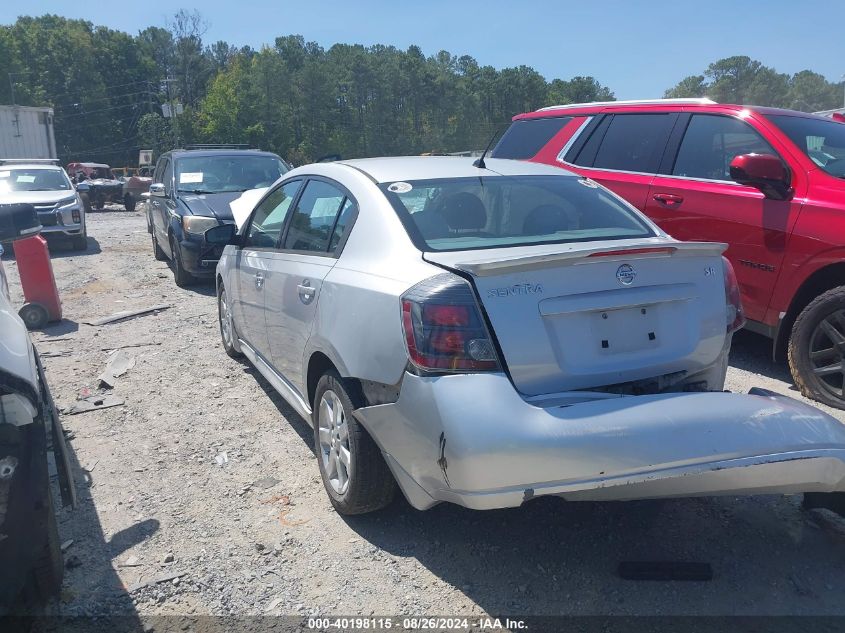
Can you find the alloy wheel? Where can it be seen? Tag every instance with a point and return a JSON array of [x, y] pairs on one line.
[[827, 353], [226, 325], [334, 442]]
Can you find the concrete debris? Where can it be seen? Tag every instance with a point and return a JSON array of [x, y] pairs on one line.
[[266, 482], [94, 403], [126, 314], [67, 544], [131, 561], [119, 363], [221, 459]]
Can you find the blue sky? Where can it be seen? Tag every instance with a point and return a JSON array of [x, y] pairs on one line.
[[638, 49]]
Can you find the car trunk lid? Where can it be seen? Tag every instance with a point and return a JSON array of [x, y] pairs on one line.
[[587, 315]]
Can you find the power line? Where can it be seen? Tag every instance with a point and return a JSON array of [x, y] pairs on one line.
[[109, 98], [63, 117], [131, 83]]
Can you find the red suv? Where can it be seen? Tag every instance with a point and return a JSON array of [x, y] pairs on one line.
[[769, 182]]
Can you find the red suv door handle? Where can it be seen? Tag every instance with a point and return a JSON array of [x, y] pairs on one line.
[[669, 199]]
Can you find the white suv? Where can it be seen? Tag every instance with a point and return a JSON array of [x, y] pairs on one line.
[[30, 552], [46, 186]]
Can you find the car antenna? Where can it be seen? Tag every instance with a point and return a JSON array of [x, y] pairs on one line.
[[480, 162]]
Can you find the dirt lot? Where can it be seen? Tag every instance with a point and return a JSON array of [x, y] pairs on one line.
[[206, 478]]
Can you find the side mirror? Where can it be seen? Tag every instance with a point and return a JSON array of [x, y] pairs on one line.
[[222, 235], [764, 172], [157, 190], [18, 221]]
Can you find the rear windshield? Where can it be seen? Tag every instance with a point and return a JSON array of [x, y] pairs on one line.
[[33, 180], [822, 141], [491, 212], [523, 139]]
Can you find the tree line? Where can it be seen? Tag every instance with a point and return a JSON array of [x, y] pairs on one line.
[[110, 89]]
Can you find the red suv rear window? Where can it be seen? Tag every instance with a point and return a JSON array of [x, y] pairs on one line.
[[523, 139]]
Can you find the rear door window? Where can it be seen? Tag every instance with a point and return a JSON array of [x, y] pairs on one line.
[[711, 142], [314, 218], [524, 138], [628, 142]]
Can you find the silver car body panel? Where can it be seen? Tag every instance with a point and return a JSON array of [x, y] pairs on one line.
[[472, 440], [496, 439]]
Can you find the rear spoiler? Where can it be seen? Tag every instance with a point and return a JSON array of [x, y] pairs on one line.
[[497, 261]]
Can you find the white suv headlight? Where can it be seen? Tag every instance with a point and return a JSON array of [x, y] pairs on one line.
[[67, 204]]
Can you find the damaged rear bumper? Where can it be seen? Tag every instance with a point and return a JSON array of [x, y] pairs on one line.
[[472, 440]]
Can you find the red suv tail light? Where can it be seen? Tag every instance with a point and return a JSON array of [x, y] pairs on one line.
[[735, 315], [444, 329]]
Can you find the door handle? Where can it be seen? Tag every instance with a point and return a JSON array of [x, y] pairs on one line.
[[259, 280], [669, 199], [306, 291]]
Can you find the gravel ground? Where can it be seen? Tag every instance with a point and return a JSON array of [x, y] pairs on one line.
[[201, 494]]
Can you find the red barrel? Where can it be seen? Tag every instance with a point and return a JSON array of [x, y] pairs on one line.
[[38, 283]]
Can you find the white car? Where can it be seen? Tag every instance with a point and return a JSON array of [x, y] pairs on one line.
[[46, 186], [30, 553], [486, 333]]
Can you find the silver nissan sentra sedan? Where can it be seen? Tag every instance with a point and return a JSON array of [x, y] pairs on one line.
[[487, 333]]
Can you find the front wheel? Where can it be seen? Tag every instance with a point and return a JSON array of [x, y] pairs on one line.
[[157, 252], [227, 325], [817, 349], [352, 467], [79, 242], [181, 276]]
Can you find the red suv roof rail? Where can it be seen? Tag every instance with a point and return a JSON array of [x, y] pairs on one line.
[[592, 104]]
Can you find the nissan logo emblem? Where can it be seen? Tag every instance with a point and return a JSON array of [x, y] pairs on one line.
[[626, 274]]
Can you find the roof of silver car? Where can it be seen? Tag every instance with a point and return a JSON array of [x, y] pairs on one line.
[[427, 167]]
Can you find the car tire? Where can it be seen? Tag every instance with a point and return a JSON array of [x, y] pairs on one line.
[[181, 276], [228, 333], [34, 315], [48, 570], [157, 252], [129, 202], [817, 349], [79, 242], [361, 481]]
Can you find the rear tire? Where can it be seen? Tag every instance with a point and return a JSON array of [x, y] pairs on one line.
[[181, 276], [129, 202], [817, 349], [353, 470]]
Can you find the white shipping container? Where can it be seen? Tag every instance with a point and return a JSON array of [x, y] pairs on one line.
[[26, 132]]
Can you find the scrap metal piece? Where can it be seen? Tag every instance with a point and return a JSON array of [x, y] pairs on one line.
[[126, 314], [94, 403], [119, 363]]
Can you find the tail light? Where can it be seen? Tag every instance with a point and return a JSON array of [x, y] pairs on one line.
[[444, 330], [735, 315]]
